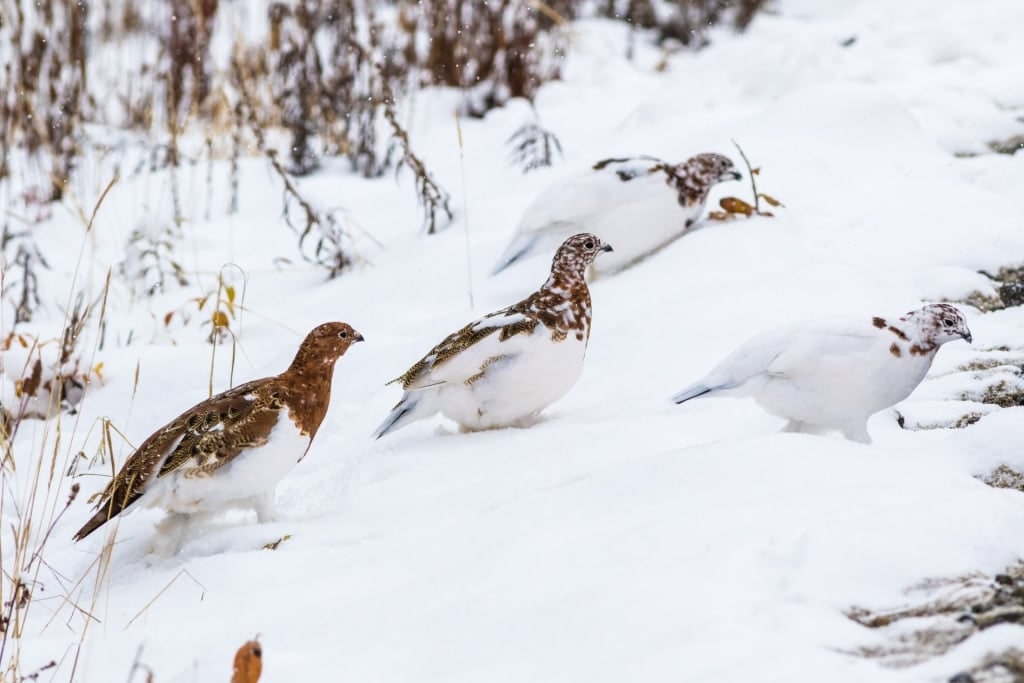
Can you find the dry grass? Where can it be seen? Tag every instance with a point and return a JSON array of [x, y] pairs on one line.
[[36, 490]]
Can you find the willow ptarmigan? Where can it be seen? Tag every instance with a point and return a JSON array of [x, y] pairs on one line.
[[232, 449], [510, 364], [638, 204], [834, 373]]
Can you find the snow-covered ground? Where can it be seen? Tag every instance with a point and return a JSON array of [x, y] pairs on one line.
[[622, 538]]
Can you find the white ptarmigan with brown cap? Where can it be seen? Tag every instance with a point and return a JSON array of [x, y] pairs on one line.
[[232, 449], [511, 364], [835, 374], [639, 204]]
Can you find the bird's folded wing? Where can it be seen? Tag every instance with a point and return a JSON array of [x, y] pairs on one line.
[[820, 348], [574, 203], [463, 354], [197, 442]]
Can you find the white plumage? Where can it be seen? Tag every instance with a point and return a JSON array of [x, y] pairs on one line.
[[638, 204], [247, 481], [834, 374]]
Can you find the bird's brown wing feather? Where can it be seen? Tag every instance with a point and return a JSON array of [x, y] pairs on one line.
[[466, 337], [197, 443]]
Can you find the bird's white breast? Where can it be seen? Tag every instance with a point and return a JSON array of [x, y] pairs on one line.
[[536, 373], [252, 472]]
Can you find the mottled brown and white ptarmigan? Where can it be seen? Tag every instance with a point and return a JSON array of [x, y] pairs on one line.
[[639, 204], [511, 364], [232, 449], [835, 373]]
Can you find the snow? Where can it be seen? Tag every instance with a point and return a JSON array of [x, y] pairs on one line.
[[621, 537]]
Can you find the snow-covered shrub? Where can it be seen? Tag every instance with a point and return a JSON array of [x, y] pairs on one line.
[[684, 21]]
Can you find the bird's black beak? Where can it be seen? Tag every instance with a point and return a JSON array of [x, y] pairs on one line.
[[359, 338], [732, 175], [967, 337], [607, 247]]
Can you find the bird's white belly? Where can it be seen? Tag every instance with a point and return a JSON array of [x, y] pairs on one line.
[[517, 387], [838, 396], [254, 472]]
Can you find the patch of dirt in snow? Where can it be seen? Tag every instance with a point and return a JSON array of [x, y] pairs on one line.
[[1004, 477], [1011, 145], [1009, 290], [1005, 394], [951, 611], [1005, 667], [995, 378]]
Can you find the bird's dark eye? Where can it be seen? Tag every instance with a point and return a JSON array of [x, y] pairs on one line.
[[949, 322], [589, 244], [343, 334]]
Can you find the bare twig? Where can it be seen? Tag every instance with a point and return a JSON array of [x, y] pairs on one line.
[[432, 197], [752, 175], [465, 212], [183, 572]]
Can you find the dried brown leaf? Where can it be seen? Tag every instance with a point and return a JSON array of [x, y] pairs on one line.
[[220, 319], [735, 205], [31, 385], [771, 200], [248, 663], [718, 216]]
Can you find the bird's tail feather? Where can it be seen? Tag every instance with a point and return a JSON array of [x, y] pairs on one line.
[[412, 407], [515, 251], [692, 391], [95, 522]]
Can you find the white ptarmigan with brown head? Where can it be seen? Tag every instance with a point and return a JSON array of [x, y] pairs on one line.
[[639, 204], [232, 449], [511, 364], [836, 373]]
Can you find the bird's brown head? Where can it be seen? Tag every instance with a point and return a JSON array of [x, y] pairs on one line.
[[578, 252], [325, 344]]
